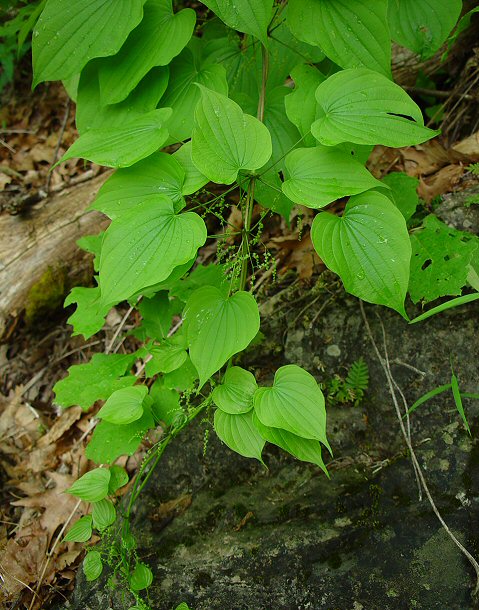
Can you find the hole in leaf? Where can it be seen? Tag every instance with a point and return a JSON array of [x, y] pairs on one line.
[[401, 116], [426, 264]]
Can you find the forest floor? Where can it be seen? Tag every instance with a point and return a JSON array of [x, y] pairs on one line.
[[42, 448]]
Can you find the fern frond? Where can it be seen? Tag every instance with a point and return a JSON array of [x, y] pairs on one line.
[[358, 375]]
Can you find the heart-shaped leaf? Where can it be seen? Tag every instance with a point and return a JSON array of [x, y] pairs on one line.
[[225, 140], [194, 179], [144, 235], [109, 441], [118, 478], [124, 406], [239, 433], [122, 146], [218, 327], [81, 531], [301, 105], [165, 359], [364, 107], [103, 514], [89, 114], [92, 565], [92, 486], [423, 26], [235, 394], [368, 247], [352, 33], [248, 16], [141, 577], [69, 34], [304, 449], [159, 174], [160, 36], [318, 176], [294, 403]]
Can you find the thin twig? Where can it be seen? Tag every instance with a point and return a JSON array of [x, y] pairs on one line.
[[46, 562], [412, 453], [118, 330]]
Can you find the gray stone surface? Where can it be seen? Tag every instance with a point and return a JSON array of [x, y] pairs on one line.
[[286, 537]]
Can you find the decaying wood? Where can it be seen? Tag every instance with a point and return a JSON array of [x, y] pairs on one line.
[[45, 237]]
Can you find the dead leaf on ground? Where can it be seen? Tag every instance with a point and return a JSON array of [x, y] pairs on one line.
[[441, 182]]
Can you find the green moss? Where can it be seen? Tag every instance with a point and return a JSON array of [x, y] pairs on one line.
[[46, 296]]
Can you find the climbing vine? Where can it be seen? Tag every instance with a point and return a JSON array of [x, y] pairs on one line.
[[281, 104]]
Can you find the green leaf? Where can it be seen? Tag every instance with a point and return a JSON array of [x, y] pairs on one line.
[[194, 179], [464, 24], [92, 244], [183, 606], [160, 36], [202, 275], [136, 242], [248, 16], [239, 433], [182, 379], [427, 396], [121, 147], [96, 380], [458, 401], [81, 531], [352, 33], [141, 577], [294, 403], [440, 259], [104, 514], [165, 359], [110, 441], [182, 96], [69, 34], [403, 192], [92, 486], [150, 179], [124, 406], [225, 140], [144, 98], [118, 478], [157, 316], [368, 247], [318, 176], [235, 394], [423, 26], [218, 327], [89, 316], [166, 403], [467, 298], [301, 105], [304, 449], [268, 193], [364, 107], [92, 565]]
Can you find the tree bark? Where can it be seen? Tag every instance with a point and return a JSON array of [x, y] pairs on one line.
[[42, 237]]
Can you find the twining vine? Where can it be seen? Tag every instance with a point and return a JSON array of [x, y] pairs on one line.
[[280, 104]]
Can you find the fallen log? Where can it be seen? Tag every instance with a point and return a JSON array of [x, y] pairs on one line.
[[44, 237]]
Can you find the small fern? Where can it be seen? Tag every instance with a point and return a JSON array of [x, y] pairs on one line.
[[351, 389], [358, 376], [474, 168]]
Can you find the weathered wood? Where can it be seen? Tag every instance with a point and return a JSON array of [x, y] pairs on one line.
[[45, 237]]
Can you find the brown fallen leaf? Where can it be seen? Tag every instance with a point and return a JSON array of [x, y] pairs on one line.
[[440, 183], [62, 425], [469, 147]]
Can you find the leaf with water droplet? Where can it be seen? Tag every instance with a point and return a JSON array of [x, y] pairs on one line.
[[368, 247]]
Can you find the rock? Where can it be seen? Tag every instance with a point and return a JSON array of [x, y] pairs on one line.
[[286, 538]]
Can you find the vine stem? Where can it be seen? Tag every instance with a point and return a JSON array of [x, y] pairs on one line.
[[384, 362], [248, 213], [156, 456]]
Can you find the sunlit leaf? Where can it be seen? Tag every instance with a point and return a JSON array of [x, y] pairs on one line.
[[368, 247], [239, 433]]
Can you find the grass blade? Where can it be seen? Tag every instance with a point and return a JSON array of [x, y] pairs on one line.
[[428, 396], [467, 298]]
